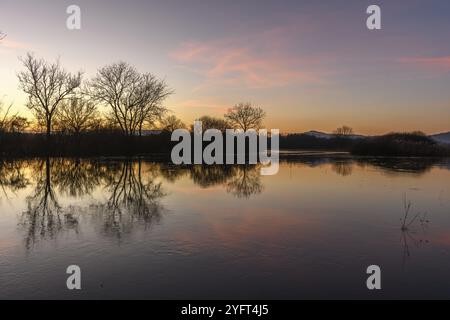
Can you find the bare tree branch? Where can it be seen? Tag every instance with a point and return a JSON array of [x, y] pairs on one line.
[[343, 131], [244, 116], [172, 123], [134, 99], [76, 115], [46, 85]]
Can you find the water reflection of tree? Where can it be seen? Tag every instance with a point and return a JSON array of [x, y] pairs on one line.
[[133, 192], [77, 178], [413, 239], [400, 166], [241, 181], [12, 176], [343, 164], [211, 175], [343, 168], [134, 197], [245, 182], [172, 173], [44, 217]]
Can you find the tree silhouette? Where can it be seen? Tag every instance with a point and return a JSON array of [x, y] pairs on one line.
[[343, 131], [47, 85], [209, 122], [172, 123], [133, 98], [245, 116], [6, 118], [76, 115], [18, 124]]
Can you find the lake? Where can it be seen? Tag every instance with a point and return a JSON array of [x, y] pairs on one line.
[[148, 230]]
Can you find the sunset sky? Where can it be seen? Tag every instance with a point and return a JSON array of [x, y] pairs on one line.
[[309, 64]]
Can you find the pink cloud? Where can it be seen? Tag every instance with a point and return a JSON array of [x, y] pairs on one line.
[[11, 44], [259, 61], [442, 62]]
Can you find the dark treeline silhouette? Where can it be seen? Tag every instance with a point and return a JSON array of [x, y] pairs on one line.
[[95, 143], [415, 144], [119, 111], [101, 143], [159, 144], [305, 141]]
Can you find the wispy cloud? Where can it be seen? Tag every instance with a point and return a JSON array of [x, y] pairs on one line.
[[258, 61], [8, 43], [201, 103], [439, 62]]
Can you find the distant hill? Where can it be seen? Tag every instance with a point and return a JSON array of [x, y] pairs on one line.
[[318, 140], [323, 135], [441, 137], [318, 134]]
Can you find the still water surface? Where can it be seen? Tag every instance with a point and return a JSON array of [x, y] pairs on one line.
[[140, 229]]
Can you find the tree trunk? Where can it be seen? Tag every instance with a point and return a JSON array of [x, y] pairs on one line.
[[49, 129]]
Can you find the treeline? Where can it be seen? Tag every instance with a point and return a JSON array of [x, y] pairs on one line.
[[87, 144], [99, 116], [305, 141], [114, 113], [409, 144], [412, 144]]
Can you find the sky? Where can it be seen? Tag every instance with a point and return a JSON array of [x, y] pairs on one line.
[[308, 64]]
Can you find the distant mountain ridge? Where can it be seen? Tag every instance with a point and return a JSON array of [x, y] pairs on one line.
[[441, 137], [324, 135]]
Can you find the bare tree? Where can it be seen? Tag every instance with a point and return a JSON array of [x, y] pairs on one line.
[[245, 116], [47, 85], [11, 122], [133, 98], [172, 123], [76, 115], [19, 124], [343, 131], [152, 110], [209, 122]]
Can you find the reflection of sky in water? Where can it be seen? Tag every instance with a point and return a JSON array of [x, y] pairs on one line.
[[149, 230]]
